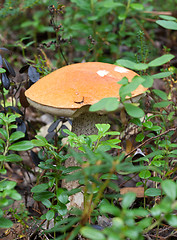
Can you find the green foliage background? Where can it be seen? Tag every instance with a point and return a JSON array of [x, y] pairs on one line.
[[129, 33]]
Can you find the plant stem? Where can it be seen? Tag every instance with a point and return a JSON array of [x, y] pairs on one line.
[[94, 30], [3, 97], [126, 13], [7, 144], [153, 225], [104, 185]]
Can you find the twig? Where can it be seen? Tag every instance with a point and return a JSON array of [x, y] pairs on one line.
[[158, 13], [149, 140]]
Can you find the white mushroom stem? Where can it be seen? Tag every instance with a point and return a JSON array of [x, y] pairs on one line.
[[83, 124]]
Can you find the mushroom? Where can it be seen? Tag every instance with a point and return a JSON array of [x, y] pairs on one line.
[[71, 90]]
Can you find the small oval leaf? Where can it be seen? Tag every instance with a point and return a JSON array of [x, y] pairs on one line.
[[16, 136], [133, 110], [161, 60], [167, 24], [170, 189], [39, 188], [21, 146], [92, 233]]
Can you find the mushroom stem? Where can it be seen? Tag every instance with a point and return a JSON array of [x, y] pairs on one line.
[[84, 124]]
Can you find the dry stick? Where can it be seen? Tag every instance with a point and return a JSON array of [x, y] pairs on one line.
[[149, 140], [158, 13]]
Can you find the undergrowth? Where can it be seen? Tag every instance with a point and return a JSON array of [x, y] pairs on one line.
[[147, 156]]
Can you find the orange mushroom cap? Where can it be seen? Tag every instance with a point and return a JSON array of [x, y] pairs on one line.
[[69, 88]]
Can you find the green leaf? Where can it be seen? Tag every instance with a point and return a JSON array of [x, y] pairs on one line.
[[148, 124], [109, 208], [3, 132], [21, 146], [5, 223], [12, 118], [1, 212], [12, 126], [113, 133], [156, 179], [15, 136], [156, 211], [137, 6], [62, 209], [73, 135], [62, 197], [2, 158], [102, 128], [3, 171], [105, 104], [133, 110], [131, 65], [123, 81], [92, 233], [50, 215], [39, 188], [121, 17], [136, 121], [172, 220], [148, 81], [78, 26], [13, 158], [156, 128], [15, 195], [117, 223], [128, 199], [140, 212], [144, 174], [126, 90], [144, 223], [43, 195], [162, 104], [162, 75], [109, 176], [140, 137], [156, 163], [152, 192], [165, 17], [169, 187], [2, 70], [174, 152], [93, 18], [4, 202], [40, 141], [161, 60], [47, 203], [7, 185], [112, 4], [160, 94], [167, 24]]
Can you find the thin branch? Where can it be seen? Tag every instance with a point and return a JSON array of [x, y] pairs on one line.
[[150, 139]]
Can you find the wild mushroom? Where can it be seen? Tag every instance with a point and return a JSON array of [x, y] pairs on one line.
[[71, 90]]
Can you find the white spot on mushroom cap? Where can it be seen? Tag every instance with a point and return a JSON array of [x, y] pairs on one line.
[[102, 73], [121, 69]]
